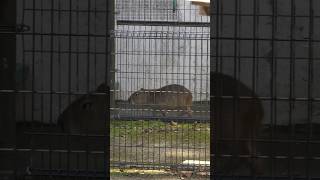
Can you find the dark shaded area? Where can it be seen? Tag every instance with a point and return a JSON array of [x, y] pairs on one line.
[[280, 151], [271, 47], [7, 79], [86, 114], [292, 151], [237, 118], [40, 81], [7, 69], [66, 149]]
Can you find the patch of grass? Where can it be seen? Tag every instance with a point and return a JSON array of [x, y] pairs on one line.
[[158, 142], [160, 132]]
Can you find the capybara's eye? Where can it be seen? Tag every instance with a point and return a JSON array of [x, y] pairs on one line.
[[87, 106]]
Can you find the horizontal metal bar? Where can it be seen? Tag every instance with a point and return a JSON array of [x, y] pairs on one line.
[[189, 147], [66, 173], [182, 119], [220, 177], [153, 110], [51, 92], [163, 23], [152, 165], [264, 39], [49, 150], [6, 29], [242, 14], [64, 134], [5, 91]]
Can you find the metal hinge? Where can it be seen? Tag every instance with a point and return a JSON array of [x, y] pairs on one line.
[[19, 28]]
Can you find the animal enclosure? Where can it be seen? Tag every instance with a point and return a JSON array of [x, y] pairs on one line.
[[160, 112], [72, 66], [89, 85]]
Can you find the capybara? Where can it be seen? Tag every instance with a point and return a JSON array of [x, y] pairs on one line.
[[169, 97], [237, 118], [86, 114]]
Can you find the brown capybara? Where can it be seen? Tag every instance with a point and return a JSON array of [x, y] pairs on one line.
[[170, 97], [86, 114], [237, 117]]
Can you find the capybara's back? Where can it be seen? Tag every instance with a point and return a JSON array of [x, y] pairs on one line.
[[170, 97], [238, 114], [86, 114]]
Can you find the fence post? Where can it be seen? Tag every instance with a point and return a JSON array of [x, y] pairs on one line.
[[110, 75]]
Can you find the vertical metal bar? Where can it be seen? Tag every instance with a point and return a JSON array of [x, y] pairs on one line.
[[109, 78], [51, 75], [125, 127], [310, 86], [42, 64], [23, 63], [208, 109], [78, 27], [59, 71], [253, 137], [273, 87], [33, 73], [292, 86], [69, 76], [235, 100], [95, 45], [143, 85], [195, 85], [88, 75], [214, 56], [154, 84], [7, 79], [33, 60]]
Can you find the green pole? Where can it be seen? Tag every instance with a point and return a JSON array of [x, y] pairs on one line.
[[174, 5]]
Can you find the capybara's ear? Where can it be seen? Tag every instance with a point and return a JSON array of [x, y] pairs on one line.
[[87, 104], [101, 88]]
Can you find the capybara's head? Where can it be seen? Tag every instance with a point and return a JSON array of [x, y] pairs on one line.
[[139, 97]]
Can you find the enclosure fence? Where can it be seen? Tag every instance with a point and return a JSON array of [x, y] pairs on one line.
[[160, 46], [89, 85]]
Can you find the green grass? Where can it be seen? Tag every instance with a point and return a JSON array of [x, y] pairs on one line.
[[152, 142], [158, 131]]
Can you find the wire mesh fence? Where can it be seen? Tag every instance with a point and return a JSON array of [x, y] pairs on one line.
[[67, 56], [264, 55], [88, 83], [160, 114], [59, 70]]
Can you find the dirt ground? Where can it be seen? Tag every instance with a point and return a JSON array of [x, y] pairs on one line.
[[155, 142]]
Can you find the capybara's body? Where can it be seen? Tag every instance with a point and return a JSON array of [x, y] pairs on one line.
[[86, 114], [171, 97], [237, 118]]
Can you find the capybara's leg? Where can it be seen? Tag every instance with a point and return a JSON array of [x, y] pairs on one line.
[[154, 112], [189, 111], [182, 113], [164, 112], [254, 163]]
